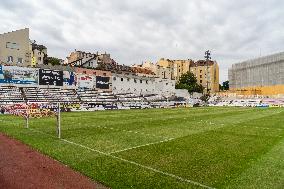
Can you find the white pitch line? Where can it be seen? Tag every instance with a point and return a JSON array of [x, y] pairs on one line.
[[152, 143], [139, 165], [265, 128], [131, 162]]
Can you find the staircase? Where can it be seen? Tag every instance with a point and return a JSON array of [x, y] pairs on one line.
[[23, 94]]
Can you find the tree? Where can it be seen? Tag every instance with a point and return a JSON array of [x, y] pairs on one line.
[[225, 86], [53, 61], [189, 82], [220, 87]]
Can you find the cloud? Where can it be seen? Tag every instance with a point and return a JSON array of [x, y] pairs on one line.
[[134, 31]]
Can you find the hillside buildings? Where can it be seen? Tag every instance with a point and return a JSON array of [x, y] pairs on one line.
[[98, 71], [174, 69], [260, 76], [17, 49]]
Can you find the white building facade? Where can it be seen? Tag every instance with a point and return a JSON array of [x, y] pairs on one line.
[[141, 85]]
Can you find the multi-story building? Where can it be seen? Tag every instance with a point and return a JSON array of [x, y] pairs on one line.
[[177, 67], [174, 69], [82, 59], [39, 55], [17, 49], [149, 65], [207, 74], [91, 60], [260, 76], [165, 72]]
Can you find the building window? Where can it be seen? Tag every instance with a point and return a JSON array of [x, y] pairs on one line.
[[20, 60], [141, 81], [96, 73], [10, 59], [104, 74], [147, 82], [200, 76], [39, 58], [200, 81], [39, 53], [114, 78], [128, 79], [135, 81], [121, 79], [10, 45], [84, 72], [200, 71]]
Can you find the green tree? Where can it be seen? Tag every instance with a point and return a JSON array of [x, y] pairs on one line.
[[225, 86], [53, 61], [189, 82], [220, 87]]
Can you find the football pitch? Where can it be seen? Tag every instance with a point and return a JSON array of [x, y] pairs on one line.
[[165, 148]]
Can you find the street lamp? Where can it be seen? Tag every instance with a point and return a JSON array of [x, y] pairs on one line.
[[207, 57]]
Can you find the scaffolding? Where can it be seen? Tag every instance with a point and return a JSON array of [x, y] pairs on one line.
[[259, 72]]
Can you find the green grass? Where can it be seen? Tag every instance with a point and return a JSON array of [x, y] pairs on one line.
[[216, 147]]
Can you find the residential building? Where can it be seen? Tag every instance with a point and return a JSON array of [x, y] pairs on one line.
[[177, 67], [142, 71], [207, 74], [39, 55], [82, 59], [165, 72], [17, 49]]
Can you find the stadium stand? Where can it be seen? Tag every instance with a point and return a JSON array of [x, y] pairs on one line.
[[51, 95], [97, 97], [10, 95]]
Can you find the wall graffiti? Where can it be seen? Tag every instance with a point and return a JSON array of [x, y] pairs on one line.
[[85, 81], [18, 75], [102, 82], [50, 77], [68, 78]]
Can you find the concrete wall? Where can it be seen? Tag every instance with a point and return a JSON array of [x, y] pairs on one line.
[[129, 83], [123, 83], [165, 87]]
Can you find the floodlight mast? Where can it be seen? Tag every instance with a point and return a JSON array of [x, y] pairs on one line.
[[207, 58]]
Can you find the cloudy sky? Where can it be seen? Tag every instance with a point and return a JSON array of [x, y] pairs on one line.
[[133, 31]]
